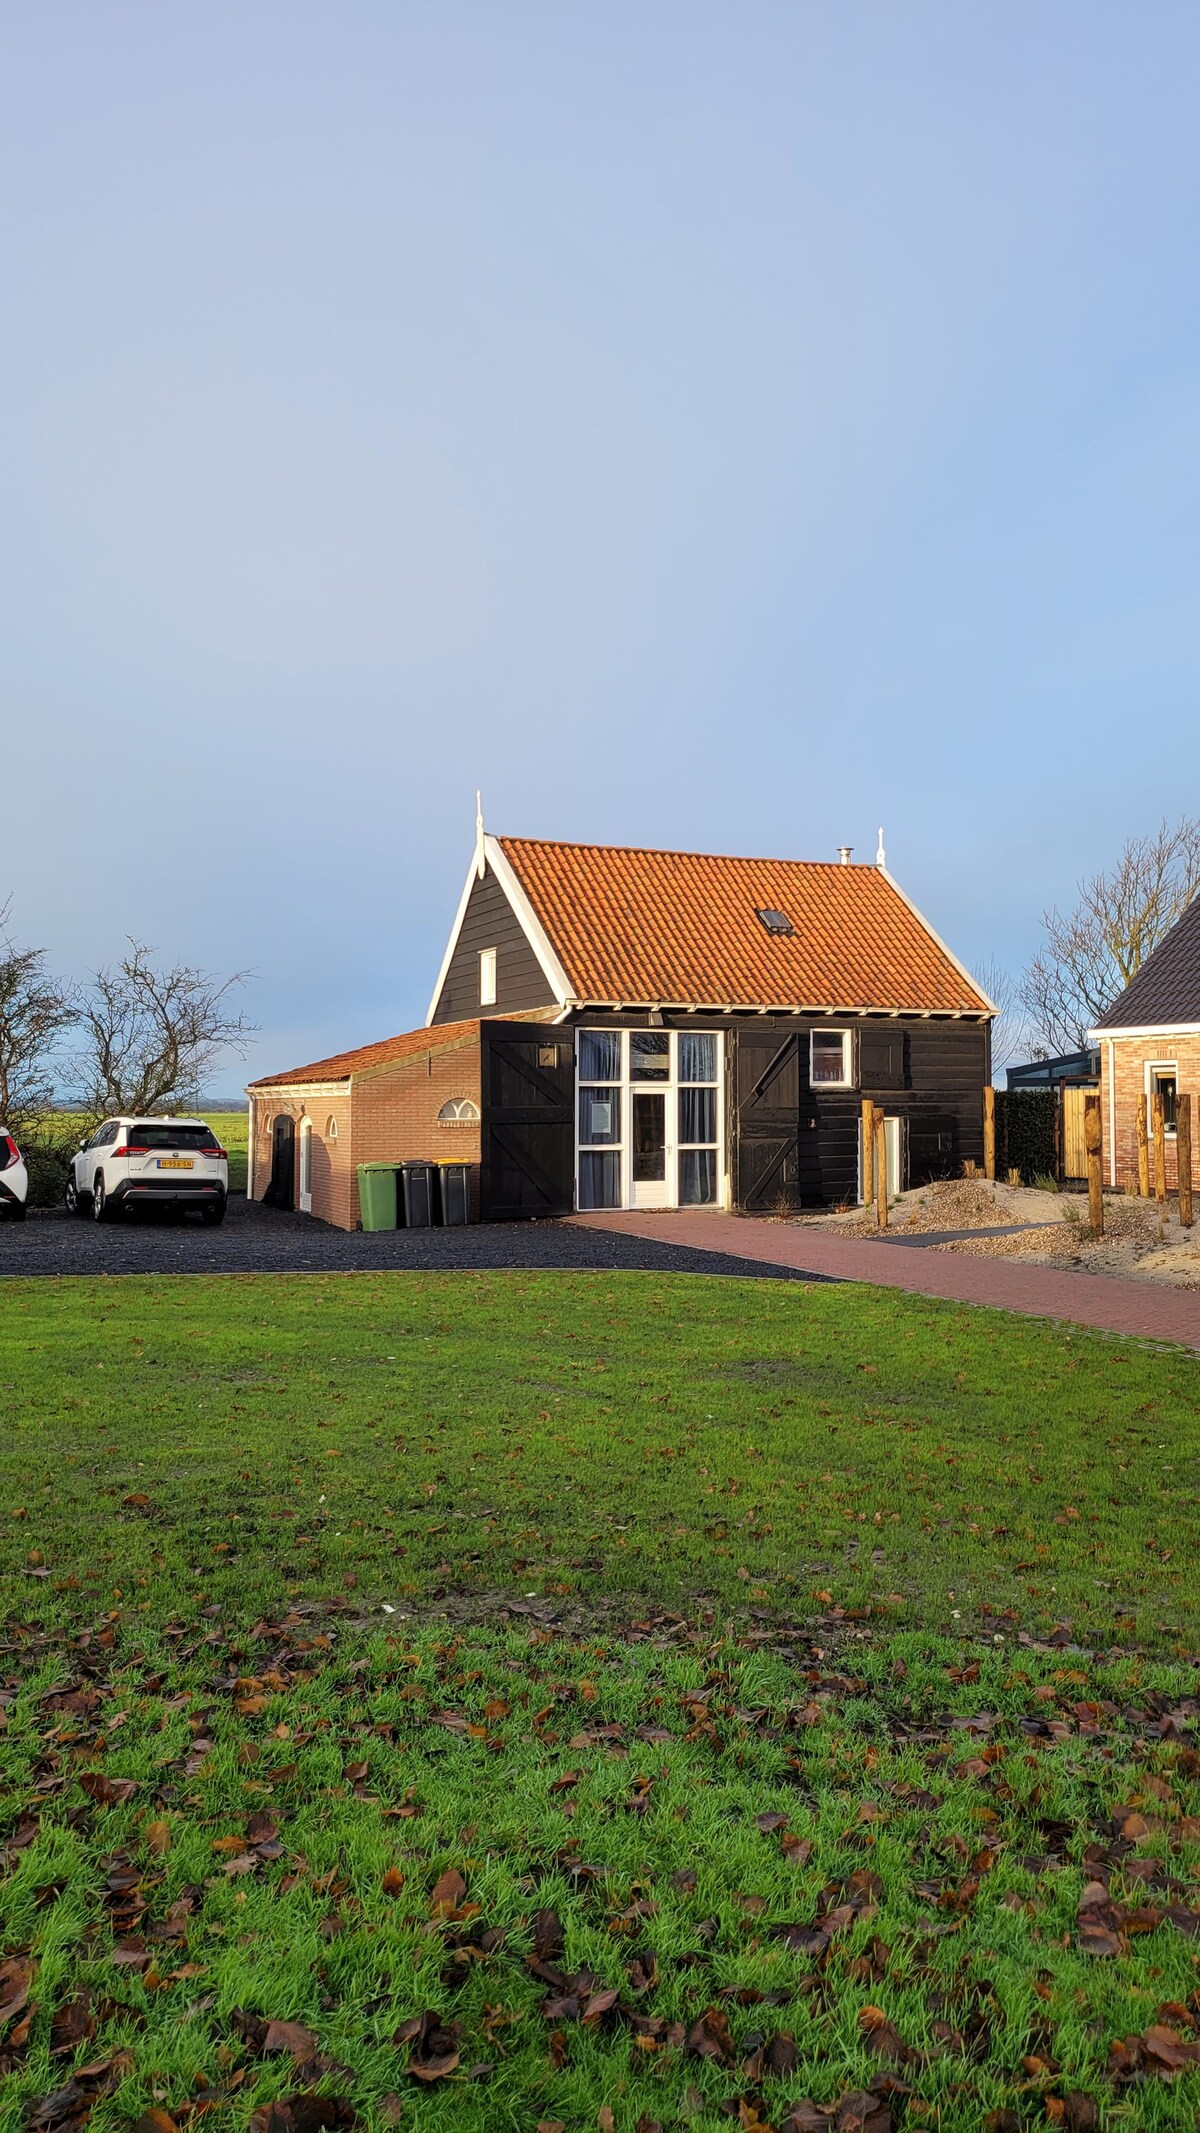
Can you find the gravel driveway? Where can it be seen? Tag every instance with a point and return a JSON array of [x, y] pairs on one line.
[[261, 1240]]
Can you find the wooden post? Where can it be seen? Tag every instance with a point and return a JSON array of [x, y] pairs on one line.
[[1143, 1150], [989, 1133], [1159, 1125], [868, 1151], [880, 1170], [1183, 1157], [1092, 1143]]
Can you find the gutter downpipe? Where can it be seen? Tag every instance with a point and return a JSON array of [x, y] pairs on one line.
[[1112, 1120]]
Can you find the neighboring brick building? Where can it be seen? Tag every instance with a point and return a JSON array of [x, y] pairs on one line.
[[614, 1027], [1149, 1043]]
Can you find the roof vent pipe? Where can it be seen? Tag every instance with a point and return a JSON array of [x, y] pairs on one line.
[[844, 851]]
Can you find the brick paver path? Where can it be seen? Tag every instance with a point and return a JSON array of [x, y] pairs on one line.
[[1141, 1308]]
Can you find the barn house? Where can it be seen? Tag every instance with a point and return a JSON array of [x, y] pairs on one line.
[[614, 1027]]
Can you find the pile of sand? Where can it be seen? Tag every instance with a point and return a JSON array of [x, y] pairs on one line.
[[1137, 1243]]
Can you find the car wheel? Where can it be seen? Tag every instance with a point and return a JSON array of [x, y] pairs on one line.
[[212, 1216], [101, 1211], [71, 1196]]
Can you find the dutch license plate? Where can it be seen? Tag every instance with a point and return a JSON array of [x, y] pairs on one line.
[[175, 1162]]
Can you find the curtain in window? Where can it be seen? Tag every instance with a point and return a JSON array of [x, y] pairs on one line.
[[697, 1115], [599, 1180], [697, 1057], [697, 1177], [600, 1055]]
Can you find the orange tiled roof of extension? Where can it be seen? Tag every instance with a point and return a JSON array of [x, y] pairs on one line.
[[343, 1064], [683, 928]]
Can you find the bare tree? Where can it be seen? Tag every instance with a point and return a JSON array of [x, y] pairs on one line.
[[1009, 1034], [1091, 954], [152, 1035], [34, 1011]]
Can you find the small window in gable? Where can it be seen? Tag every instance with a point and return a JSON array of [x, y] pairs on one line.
[[331, 1129], [487, 977], [459, 1111]]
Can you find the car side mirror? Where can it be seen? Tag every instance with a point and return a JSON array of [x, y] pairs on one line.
[[81, 1147]]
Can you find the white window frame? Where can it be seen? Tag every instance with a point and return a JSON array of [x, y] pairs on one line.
[[306, 1141], [459, 1111], [1150, 1069], [669, 1088], [487, 977], [848, 1080]]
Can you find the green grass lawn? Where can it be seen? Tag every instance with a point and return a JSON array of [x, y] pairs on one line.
[[555, 1696]]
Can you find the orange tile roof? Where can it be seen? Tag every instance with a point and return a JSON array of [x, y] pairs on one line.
[[343, 1064], [682, 928]]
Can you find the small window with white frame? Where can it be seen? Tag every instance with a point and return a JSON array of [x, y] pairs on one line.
[[487, 977], [459, 1111], [831, 1058], [1162, 1080]]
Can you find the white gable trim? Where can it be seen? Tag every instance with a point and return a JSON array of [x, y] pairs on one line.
[[934, 936], [1148, 1029], [474, 874], [490, 855], [529, 922]]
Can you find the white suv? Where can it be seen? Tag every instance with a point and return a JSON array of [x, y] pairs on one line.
[[14, 1178], [149, 1162]]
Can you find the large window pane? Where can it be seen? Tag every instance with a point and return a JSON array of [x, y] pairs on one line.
[[649, 1055], [697, 1115], [600, 1055], [599, 1181], [599, 1116], [697, 1177], [697, 1056]]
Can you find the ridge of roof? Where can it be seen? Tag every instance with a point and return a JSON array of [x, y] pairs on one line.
[[667, 851]]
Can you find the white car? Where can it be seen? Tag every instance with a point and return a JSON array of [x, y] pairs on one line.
[[149, 1162], [14, 1178]]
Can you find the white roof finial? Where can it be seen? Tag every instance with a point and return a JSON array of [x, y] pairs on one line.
[[881, 855], [480, 856]]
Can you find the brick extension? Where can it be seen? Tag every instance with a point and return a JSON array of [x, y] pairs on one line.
[[1138, 1308]]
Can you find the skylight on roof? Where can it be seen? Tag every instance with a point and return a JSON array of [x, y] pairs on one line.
[[776, 922]]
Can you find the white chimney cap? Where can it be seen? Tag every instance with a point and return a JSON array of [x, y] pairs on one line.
[[844, 851]]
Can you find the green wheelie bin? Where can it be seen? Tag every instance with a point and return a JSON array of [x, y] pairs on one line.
[[377, 1195]]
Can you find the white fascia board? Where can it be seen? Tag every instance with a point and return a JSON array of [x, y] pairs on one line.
[[473, 875], [300, 1088], [529, 922], [1149, 1029], [961, 967], [784, 1007]]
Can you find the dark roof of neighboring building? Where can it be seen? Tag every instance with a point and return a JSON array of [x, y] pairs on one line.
[[1165, 994], [1044, 1073], [342, 1065], [683, 928]]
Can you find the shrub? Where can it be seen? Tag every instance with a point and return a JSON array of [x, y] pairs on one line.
[[1026, 1120], [47, 1163]]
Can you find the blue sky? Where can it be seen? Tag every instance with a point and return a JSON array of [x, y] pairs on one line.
[[720, 427]]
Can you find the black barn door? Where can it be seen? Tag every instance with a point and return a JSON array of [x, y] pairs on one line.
[[528, 1126], [771, 1154]]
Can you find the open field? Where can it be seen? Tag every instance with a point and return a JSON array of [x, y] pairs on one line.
[[508, 1700]]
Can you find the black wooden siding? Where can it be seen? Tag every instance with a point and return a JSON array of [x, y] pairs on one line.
[[520, 980], [788, 1143]]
